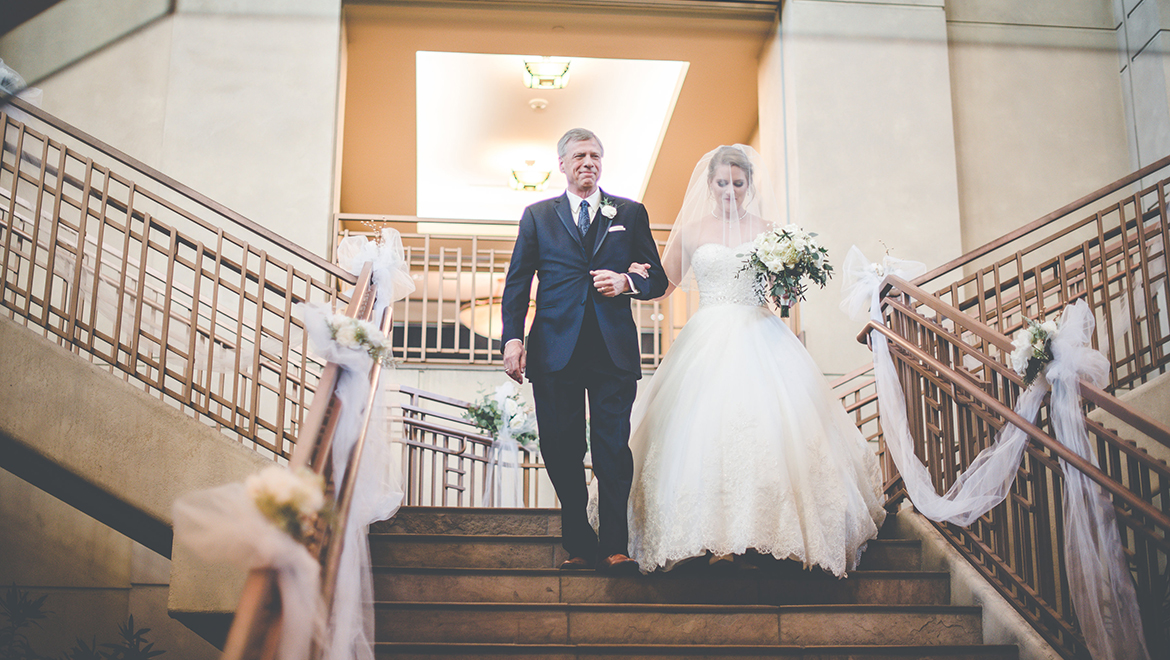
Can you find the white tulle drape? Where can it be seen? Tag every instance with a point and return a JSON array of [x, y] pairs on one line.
[[1100, 584], [222, 524], [378, 492], [503, 480]]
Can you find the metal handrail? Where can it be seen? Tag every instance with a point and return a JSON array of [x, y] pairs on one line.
[[955, 410], [1112, 404], [1041, 438], [255, 629], [1043, 221], [236, 218]]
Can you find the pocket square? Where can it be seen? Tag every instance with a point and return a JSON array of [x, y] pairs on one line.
[[617, 228]]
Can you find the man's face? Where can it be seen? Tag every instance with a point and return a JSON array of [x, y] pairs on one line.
[[582, 166]]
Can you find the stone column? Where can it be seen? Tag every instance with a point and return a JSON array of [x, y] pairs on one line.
[[856, 119]]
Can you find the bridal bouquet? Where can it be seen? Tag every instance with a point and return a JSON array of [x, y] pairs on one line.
[[360, 335], [293, 501], [1032, 349], [782, 258], [502, 410]]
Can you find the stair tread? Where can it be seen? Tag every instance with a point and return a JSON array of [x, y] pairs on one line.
[[681, 607], [754, 574], [884, 650]]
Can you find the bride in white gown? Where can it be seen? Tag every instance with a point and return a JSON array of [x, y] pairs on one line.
[[738, 442]]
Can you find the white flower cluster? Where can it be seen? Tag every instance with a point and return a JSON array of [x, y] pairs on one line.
[[786, 247], [360, 335], [1032, 343], [290, 500], [502, 411], [512, 415]]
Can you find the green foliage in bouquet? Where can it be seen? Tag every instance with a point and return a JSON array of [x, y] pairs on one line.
[[782, 259]]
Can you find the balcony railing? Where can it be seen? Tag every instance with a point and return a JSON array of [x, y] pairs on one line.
[[958, 395], [135, 272], [459, 266], [1113, 257]]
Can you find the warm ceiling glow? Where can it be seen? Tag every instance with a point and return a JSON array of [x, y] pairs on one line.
[[546, 73], [530, 177], [477, 124]]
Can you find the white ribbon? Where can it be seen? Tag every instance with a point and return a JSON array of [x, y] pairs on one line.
[[1102, 591], [378, 491], [223, 525], [503, 485]]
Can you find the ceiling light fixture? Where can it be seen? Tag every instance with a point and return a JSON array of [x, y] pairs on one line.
[[546, 73], [530, 178]]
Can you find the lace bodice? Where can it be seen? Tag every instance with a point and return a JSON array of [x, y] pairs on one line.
[[717, 271]]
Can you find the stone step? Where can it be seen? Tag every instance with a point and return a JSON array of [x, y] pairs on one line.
[[542, 551], [445, 651], [468, 521], [757, 625], [747, 587]]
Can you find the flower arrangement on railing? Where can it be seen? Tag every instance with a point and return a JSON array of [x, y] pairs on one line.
[[1100, 584], [503, 410], [1032, 349], [782, 259], [292, 500], [265, 522], [360, 335], [511, 424]]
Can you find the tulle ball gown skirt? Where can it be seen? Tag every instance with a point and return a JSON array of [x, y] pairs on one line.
[[739, 444]]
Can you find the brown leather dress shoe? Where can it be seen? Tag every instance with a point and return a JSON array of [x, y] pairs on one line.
[[618, 564], [576, 564]]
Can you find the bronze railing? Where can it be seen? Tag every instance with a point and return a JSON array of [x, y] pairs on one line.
[[459, 268], [1114, 258], [446, 458], [958, 394], [256, 627], [134, 272]]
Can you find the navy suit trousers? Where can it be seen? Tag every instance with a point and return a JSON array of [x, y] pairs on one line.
[[560, 411]]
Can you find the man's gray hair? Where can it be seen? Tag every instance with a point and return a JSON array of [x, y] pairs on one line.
[[577, 135]]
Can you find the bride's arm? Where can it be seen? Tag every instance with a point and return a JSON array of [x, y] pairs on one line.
[[644, 271]]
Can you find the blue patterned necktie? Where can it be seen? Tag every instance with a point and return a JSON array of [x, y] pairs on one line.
[[583, 217]]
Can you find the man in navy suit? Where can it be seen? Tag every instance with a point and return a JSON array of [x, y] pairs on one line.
[[583, 340]]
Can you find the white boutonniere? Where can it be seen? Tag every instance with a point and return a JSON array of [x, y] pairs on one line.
[[608, 209]]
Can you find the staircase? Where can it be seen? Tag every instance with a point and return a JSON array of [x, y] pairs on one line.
[[458, 583]]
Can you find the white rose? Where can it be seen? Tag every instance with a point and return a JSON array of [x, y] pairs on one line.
[[608, 210], [1049, 327], [347, 336]]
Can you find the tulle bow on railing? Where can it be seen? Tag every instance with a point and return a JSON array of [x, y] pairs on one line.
[[503, 478], [378, 491], [223, 525], [1100, 584]]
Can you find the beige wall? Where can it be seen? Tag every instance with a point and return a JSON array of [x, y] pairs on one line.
[[862, 115], [1040, 118], [93, 576], [234, 98]]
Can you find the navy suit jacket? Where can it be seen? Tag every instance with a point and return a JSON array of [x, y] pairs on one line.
[[549, 245]]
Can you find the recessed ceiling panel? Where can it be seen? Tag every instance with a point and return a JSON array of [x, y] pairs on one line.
[[477, 122]]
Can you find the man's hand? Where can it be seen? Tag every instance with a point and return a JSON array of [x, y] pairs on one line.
[[609, 283], [515, 359]]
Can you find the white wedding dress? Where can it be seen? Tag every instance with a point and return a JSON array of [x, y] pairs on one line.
[[739, 444]]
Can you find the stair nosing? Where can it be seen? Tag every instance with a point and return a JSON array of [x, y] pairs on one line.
[[718, 648], [470, 570], [412, 537], [680, 607]]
